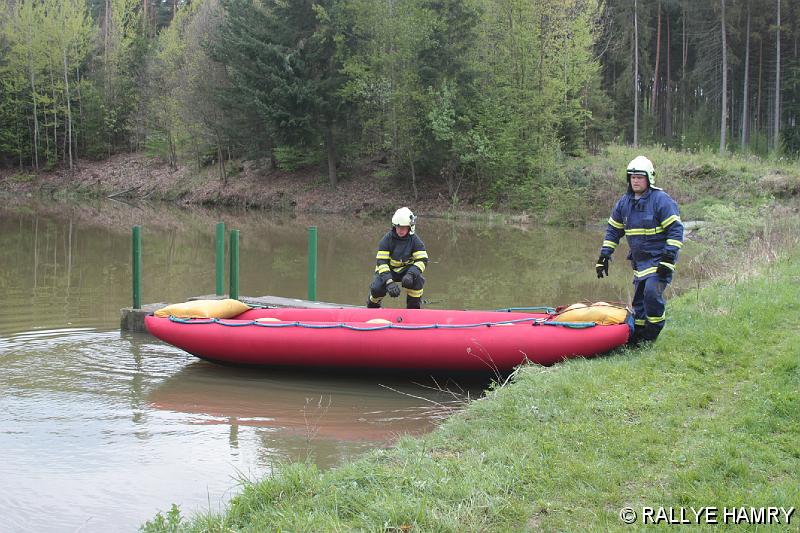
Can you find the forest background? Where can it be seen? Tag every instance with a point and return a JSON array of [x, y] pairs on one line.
[[485, 96]]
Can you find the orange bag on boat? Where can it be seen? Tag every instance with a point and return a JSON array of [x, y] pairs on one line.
[[599, 312], [226, 308]]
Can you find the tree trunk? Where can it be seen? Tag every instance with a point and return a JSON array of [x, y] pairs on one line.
[[635, 73], [106, 21], [724, 119], [55, 113], [173, 152], [543, 47], [413, 175], [33, 97], [745, 88], [777, 118], [395, 151], [106, 30], [684, 60], [273, 162], [330, 148], [654, 102], [80, 111], [223, 176], [758, 97], [69, 107], [668, 110], [19, 141]]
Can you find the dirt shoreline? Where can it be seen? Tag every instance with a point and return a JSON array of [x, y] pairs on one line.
[[132, 177]]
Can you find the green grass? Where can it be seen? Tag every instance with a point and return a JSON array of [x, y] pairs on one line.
[[697, 180], [707, 416]]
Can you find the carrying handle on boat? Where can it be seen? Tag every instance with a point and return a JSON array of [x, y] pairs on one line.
[[543, 309]]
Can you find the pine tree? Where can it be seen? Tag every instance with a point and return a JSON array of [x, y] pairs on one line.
[[283, 55]]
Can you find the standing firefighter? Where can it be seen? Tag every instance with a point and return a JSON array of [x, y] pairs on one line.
[[650, 219], [401, 260]]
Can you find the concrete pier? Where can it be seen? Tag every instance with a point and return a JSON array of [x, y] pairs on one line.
[[132, 320]]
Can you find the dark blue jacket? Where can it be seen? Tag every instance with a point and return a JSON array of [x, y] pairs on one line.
[[399, 254], [653, 226]]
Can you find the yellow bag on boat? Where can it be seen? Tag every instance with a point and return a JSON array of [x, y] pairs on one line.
[[599, 312], [226, 308]]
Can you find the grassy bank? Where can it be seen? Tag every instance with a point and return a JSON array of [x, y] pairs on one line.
[[704, 183], [707, 416]]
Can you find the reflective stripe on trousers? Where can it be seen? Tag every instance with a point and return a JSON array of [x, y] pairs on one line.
[[649, 306]]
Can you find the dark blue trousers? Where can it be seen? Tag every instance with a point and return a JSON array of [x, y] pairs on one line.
[[377, 290], [649, 307]]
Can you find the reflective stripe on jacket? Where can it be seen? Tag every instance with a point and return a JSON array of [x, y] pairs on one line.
[[400, 253], [653, 226]]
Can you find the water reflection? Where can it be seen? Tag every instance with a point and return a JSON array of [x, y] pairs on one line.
[[305, 414]]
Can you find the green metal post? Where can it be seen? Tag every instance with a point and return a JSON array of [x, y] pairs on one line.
[[220, 270], [234, 270], [312, 263], [136, 242]]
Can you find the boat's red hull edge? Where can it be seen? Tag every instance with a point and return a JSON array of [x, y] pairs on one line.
[[481, 348]]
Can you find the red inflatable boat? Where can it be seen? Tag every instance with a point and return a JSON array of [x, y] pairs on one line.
[[415, 339]]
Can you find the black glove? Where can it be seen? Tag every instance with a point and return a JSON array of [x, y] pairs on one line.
[[664, 271], [602, 266], [408, 280], [393, 289]]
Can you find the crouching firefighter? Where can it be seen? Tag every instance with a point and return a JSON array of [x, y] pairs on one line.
[[401, 260], [650, 220]]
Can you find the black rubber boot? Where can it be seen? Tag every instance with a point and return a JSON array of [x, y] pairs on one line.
[[413, 303], [373, 305], [637, 336], [651, 332]]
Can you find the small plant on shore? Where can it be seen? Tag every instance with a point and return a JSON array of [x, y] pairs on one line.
[[172, 522], [313, 412]]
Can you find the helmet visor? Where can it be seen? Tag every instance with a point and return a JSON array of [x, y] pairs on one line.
[[637, 174]]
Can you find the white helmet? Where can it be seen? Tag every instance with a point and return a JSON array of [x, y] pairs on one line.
[[404, 217], [642, 165]]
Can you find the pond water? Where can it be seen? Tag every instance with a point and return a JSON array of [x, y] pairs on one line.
[[99, 429]]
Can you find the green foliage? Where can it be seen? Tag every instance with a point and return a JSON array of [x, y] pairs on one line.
[[284, 57], [293, 158], [790, 138], [730, 225], [96, 145], [487, 96], [564, 205], [697, 210], [22, 177], [119, 78], [44, 46], [171, 523], [157, 145]]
